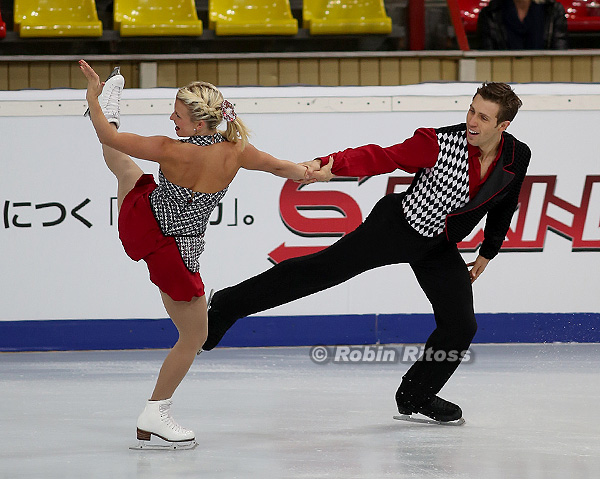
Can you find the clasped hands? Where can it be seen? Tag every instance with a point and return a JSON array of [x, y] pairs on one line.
[[316, 172]]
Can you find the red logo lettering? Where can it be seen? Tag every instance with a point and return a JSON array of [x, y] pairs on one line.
[[293, 200], [538, 210], [532, 222]]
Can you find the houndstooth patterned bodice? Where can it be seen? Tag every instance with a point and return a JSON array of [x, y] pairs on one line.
[[437, 191], [183, 213]]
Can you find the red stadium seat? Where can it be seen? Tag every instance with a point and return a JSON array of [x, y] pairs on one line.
[[582, 15], [2, 27], [469, 11]]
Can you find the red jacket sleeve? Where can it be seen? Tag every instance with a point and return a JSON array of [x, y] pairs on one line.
[[419, 151]]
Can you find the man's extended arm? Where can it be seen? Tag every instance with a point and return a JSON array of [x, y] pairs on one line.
[[419, 151]]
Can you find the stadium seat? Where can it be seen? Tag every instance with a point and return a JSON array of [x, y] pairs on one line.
[[582, 15], [2, 27], [251, 17], [338, 17], [469, 12], [156, 18], [57, 18]]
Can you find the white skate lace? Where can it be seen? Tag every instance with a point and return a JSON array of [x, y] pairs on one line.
[[166, 418], [110, 105]]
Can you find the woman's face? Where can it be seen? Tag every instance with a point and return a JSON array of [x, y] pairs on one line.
[[184, 126]]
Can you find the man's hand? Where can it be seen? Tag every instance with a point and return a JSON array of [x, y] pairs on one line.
[[478, 266]]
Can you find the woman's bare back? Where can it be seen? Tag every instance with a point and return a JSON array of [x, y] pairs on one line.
[[205, 169]]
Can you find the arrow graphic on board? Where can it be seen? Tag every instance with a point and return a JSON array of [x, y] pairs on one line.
[[293, 199], [283, 252]]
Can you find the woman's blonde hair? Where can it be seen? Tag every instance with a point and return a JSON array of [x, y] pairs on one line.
[[205, 103]]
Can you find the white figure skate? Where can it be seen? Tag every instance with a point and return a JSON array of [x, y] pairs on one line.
[[156, 420], [110, 97]]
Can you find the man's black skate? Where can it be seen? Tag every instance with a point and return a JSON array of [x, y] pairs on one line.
[[438, 410], [217, 327]]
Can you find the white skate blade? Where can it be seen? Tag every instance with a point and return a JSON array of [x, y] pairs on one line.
[[164, 445], [426, 420]]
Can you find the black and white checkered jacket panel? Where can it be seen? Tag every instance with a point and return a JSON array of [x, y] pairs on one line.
[[184, 213], [437, 191]]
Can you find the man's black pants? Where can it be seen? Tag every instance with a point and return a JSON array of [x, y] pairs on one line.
[[384, 238]]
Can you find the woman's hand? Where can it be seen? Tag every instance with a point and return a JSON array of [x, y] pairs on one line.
[[94, 86], [311, 166]]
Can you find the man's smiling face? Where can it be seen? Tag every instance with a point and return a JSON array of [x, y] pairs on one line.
[[483, 129]]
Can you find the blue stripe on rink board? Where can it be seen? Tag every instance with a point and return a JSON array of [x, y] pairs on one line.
[[302, 330], [91, 334], [66, 335], [498, 328]]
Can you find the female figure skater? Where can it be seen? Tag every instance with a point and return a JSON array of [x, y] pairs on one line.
[[164, 224]]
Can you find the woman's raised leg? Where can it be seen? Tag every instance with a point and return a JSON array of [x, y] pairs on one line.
[[125, 170]]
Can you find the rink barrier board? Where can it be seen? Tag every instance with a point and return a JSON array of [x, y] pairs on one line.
[[264, 331], [60, 236]]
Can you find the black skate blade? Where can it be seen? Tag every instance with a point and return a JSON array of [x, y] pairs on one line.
[[116, 71], [164, 446], [426, 420], [210, 297]]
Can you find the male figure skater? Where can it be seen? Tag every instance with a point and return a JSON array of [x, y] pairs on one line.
[[463, 172]]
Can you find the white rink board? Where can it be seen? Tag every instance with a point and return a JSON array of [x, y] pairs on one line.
[[72, 271]]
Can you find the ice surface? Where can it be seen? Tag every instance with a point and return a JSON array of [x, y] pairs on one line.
[[531, 410]]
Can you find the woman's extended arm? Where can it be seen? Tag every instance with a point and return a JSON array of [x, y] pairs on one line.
[[153, 148], [254, 159]]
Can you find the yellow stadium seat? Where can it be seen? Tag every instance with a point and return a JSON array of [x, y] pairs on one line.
[[251, 17], [156, 18], [57, 18], [338, 17]]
